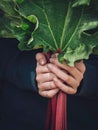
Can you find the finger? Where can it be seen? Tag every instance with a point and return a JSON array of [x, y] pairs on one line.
[[41, 69], [63, 65], [57, 63], [41, 78], [63, 76], [73, 71], [64, 87], [40, 57], [80, 66], [47, 86], [77, 71], [49, 93], [54, 55]]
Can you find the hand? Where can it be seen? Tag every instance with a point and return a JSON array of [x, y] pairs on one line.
[[44, 78], [67, 78]]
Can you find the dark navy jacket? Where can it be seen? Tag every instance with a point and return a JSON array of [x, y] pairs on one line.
[[21, 108]]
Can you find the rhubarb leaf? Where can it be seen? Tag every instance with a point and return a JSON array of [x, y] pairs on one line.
[[64, 26]]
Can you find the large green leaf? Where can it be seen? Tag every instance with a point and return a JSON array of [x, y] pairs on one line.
[[66, 26]]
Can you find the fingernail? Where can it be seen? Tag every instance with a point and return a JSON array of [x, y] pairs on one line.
[[42, 62]]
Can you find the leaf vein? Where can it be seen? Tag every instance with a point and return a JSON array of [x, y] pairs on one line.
[[74, 31]]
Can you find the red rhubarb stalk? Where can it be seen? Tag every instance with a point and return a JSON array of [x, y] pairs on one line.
[[57, 113], [56, 118]]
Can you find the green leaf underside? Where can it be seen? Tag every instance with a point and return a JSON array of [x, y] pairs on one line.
[[52, 25]]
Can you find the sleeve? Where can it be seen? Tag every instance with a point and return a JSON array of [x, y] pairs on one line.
[[17, 67], [89, 85]]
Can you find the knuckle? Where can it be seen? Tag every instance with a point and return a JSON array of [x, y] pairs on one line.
[[50, 95], [40, 87], [40, 93], [67, 90], [71, 91], [45, 94], [74, 91], [50, 75], [67, 79], [78, 83], [37, 69], [84, 68], [52, 85], [81, 77], [37, 78]]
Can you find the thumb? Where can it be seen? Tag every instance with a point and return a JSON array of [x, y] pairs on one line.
[[41, 58]]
